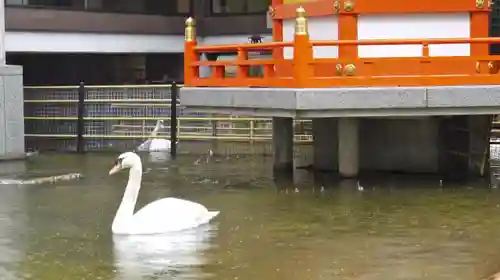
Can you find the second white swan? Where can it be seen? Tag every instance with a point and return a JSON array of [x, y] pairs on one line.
[[155, 144], [161, 216]]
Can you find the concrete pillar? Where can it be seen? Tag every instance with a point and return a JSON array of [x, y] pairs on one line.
[[11, 113], [2, 32], [11, 102], [454, 147], [325, 144], [464, 147], [348, 147], [479, 140], [283, 143], [406, 145]]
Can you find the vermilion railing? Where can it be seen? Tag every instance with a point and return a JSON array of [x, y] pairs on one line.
[[305, 71]]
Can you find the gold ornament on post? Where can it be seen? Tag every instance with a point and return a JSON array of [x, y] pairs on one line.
[[493, 67], [338, 68], [336, 6], [271, 11], [190, 31], [301, 22], [350, 70], [348, 6]]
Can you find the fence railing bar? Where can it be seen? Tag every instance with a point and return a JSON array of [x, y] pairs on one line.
[[139, 101], [131, 86], [90, 118], [182, 136], [174, 122]]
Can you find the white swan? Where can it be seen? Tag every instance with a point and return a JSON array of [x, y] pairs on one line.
[[161, 216], [155, 144]]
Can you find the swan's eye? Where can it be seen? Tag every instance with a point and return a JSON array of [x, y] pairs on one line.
[[118, 161]]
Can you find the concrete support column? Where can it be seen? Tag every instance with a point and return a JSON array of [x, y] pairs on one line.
[[325, 144], [11, 112], [464, 146], [2, 32], [348, 147], [11, 102], [283, 143], [479, 140]]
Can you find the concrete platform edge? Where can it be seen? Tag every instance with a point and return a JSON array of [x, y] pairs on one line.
[[344, 102]]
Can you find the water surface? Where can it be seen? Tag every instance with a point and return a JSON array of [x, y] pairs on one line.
[[392, 229]]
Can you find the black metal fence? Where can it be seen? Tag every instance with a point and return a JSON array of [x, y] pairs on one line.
[[97, 118]]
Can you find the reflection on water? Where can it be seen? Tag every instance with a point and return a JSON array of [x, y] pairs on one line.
[[173, 254], [11, 227], [12, 223], [307, 228], [158, 157], [495, 151]]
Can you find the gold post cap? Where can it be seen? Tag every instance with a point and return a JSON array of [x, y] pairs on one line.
[[301, 21], [190, 22], [190, 32], [300, 11]]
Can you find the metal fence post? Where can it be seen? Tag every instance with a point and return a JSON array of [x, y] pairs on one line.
[[174, 95], [214, 128], [80, 128]]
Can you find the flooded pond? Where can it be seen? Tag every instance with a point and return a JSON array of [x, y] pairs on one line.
[[390, 229]]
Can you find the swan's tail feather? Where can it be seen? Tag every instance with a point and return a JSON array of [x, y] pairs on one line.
[[213, 214], [144, 146], [210, 215]]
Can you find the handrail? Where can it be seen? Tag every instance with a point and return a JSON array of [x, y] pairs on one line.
[[51, 87], [103, 86], [371, 42], [423, 41], [125, 118], [218, 48]]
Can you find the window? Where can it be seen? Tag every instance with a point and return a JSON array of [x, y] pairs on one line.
[[184, 6], [228, 6], [41, 3], [156, 7], [93, 4], [16, 2], [231, 7], [258, 6], [168, 7], [124, 6]]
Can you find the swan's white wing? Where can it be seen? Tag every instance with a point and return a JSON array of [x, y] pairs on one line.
[[160, 145], [144, 146], [170, 214]]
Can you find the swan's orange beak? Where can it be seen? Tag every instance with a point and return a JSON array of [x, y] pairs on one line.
[[115, 169]]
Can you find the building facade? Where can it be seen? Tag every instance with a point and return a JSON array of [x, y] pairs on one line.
[[119, 41]]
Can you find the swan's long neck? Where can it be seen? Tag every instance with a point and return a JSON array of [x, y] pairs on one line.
[[156, 129], [127, 206]]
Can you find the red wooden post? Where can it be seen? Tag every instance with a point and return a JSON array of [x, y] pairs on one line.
[[302, 51]]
